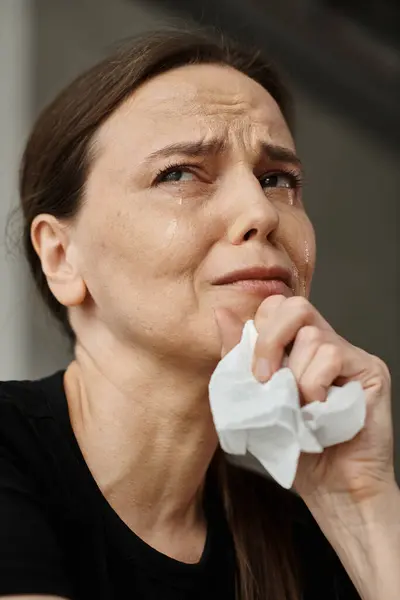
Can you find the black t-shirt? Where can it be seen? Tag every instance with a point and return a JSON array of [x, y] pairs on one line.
[[59, 535]]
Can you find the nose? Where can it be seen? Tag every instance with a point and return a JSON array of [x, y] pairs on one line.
[[254, 216]]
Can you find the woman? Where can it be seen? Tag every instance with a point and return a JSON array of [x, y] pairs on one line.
[[161, 194]]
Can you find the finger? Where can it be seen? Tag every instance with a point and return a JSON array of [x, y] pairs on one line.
[[323, 370], [278, 327], [304, 348], [230, 327], [263, 367], [267, 309]]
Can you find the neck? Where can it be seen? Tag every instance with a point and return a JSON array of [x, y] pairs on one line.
[[146, 432]]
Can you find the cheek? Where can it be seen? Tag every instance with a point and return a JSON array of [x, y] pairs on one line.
[[296, 236], [141, 243]]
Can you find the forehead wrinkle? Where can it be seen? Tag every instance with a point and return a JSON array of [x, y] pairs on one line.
[[197, 106], [159, 104], [183, 97], [251, 138], [173, 92]]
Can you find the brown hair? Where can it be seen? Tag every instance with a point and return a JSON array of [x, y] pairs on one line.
[[52, 180]]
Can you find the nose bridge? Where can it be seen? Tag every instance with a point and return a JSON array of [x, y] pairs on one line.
[[251, 213]]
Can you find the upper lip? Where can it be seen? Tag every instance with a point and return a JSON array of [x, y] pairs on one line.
[[260, 273]]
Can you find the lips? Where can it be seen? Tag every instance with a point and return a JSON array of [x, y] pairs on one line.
[[256, 273], [259, 281]]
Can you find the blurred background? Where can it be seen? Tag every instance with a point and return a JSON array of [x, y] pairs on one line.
[[342, 61]]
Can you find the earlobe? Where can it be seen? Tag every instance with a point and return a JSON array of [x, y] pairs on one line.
[[52, 243]]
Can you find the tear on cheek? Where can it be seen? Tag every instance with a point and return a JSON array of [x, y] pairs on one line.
[[295, 278], [281, 196], [306, 254], [302, 274], [306, 267]]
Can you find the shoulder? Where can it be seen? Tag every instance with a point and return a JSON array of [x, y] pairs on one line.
[[26, 421], [25, 402], [28, 401], [33, 529], [30, 397]]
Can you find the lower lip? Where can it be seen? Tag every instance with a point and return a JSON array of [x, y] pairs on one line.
[[261, 287]]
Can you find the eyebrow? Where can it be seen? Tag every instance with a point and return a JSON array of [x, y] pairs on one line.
[[216, 146], [280, 154]]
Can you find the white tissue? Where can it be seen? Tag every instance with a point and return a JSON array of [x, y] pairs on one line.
[[266, 419]]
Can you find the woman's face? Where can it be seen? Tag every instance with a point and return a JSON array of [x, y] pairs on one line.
[[194, 177]]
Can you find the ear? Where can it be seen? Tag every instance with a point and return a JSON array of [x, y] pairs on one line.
[[52, 243]]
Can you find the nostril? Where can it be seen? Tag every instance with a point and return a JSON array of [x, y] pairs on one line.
[[249, 234]]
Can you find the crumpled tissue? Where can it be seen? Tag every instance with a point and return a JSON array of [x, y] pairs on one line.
[[267, 420]]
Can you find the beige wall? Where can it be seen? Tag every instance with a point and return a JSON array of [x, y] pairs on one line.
[[15, 118]]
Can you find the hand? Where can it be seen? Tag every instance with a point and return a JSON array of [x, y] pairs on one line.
[[355, 471]]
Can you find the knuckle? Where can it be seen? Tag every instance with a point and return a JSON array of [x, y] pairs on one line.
[[332, 354], [301, 305], [381, 375], [383, 368], [310, 335], [268, 305]]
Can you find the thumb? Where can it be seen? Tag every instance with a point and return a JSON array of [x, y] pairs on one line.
[[230, 327]]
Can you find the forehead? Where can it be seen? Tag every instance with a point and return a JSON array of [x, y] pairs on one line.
[[195, 100]]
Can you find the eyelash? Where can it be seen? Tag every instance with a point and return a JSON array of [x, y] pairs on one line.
[[295, 177], [170, 169]]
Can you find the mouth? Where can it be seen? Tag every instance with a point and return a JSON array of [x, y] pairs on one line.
[[259, 280]]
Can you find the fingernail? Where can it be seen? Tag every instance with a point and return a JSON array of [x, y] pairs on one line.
[[262, 369]]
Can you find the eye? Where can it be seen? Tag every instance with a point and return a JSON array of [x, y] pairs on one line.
[[280, 180], [174, 175]]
